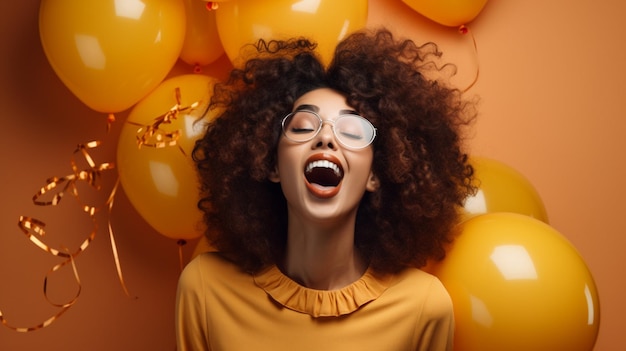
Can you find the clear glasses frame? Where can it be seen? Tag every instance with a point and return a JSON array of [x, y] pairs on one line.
[[351, 130]]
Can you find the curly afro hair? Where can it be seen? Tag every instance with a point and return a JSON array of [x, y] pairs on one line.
[[423, 172]]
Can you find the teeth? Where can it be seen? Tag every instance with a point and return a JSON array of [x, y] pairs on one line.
[[324, 164]]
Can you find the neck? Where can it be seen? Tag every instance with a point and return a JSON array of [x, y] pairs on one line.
[[323, 258]]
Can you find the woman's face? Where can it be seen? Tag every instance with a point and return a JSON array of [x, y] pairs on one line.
[[321, 178]]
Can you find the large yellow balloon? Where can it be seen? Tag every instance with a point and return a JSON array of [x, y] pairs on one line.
[[202, 43], [241, 22], [110, 53], [517, 285], [452, 13], [161, 182], [501, 188]]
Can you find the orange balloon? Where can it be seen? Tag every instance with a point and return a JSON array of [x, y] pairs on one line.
[[517, 285], [110, 54], [160, 179], [452, 13], [241, 22], [202, 43], [501, 188]]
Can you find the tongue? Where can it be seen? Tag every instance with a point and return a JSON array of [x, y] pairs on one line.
[[323, 177]]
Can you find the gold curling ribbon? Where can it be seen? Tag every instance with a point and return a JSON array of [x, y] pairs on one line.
[[149, 136], [153, 136], [64, 307], [116, 258], [33, 228]]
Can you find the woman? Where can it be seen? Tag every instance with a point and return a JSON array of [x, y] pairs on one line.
[[324, 191]]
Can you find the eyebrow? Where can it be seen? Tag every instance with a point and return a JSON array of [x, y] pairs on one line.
[[349, 112], [307, 107]]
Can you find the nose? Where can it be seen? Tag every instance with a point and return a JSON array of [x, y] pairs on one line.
[[326, 137]]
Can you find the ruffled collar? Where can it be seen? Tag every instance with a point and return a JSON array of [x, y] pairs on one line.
[[321, 303]]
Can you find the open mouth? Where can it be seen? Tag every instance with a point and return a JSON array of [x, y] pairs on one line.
[[323, 174]]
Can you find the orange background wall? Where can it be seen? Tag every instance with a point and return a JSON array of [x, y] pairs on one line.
[[553, 89]]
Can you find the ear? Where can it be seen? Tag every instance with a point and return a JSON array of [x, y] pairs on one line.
[[273, 176], [372, 183]]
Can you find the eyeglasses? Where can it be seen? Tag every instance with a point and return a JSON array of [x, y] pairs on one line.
[[352, 131]]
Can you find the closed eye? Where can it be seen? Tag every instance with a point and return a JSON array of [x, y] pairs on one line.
[[301, 130], [352, 135]]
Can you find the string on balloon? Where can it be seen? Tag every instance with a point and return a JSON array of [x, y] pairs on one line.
[[212, 5], [464, 30]]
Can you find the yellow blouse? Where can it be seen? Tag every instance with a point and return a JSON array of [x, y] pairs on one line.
[[221, 308]]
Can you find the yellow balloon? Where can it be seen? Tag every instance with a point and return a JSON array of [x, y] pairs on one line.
[[110, 53], [202, 43], [517, 285], [452, 13], [159, 177], [241, 22], [502, 189]]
